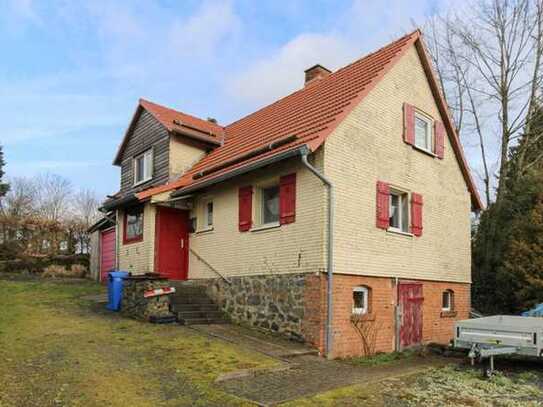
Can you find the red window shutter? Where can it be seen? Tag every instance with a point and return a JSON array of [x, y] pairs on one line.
[[439, 134], [287, 199], [416, 214], [245, 208], [409, 123], [383, 203]]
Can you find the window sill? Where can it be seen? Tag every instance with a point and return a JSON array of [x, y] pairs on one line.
[[448, 314], [399, 232], [130, 241], [142, 182], [266, 226], [205, 230], [423, 150]]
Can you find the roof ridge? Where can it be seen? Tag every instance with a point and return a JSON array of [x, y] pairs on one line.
[[180, 112], [327, 78]]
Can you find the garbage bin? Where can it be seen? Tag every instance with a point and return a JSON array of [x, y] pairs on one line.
[[115, 289]]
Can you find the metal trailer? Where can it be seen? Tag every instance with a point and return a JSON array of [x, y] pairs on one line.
[[499, 335]]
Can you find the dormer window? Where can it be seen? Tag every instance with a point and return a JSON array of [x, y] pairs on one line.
[[143, 167]]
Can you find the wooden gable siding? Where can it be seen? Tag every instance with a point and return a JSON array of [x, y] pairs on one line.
[[147, 133]]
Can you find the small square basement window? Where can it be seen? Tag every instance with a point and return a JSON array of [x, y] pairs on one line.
[[360, 300], [447, 302]]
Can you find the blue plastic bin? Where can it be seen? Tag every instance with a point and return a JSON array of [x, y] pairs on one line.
[[115, 289]]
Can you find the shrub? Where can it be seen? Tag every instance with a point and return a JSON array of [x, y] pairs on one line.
[[78, 270], [58, 271], [54, 271]]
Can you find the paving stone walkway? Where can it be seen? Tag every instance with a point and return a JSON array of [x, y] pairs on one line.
[[310, 375], [301, 373]]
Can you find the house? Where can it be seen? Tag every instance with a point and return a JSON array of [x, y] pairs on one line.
[[338, 215]]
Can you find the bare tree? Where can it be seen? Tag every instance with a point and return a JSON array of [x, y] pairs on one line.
[[84, 214], [85, 206], [489, 63], [54, 197], [21, 199]]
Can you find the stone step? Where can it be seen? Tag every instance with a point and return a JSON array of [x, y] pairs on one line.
[[194, 307], [186, 299], [189, 288], [199, 314], [202, 321]]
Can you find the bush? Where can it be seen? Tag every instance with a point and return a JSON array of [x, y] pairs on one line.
[[53, 271], [78, 270], [58, 271]]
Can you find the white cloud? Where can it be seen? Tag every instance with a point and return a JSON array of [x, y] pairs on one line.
[[283, 71], [203, 32]]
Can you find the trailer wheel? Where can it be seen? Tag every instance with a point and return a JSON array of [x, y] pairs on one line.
[[487, 372]]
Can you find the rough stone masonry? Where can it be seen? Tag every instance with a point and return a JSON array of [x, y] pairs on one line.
[[270, 302], [135, 305]]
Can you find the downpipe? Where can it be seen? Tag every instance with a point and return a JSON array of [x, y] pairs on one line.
[[330, 250]]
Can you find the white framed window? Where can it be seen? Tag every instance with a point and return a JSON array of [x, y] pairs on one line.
[[423, 132], [399, 211], [208, 214], [360, 300], [269, 204], [133, 225], [447, 301], [143, 167]]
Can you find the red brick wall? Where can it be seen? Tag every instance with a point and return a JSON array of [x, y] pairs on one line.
[[437, 327]]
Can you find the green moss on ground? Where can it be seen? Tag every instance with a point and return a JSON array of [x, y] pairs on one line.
[[448, 386], [58, 349], [380, 359]]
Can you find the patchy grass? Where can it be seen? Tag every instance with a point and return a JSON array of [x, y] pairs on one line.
[[384, 358], [57, 351], [448, 386]]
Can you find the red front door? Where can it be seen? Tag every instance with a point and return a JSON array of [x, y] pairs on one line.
[[107, 253], [172, 243], [410, 300]]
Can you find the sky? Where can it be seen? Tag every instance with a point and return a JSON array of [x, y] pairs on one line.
[[72, 71]]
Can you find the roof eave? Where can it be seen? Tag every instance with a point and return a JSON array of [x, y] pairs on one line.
[[300, 150]]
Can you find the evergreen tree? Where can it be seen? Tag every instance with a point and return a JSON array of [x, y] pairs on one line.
[[508, 244], [4, 187]]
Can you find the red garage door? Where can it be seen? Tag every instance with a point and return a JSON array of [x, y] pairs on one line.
[[107, 253]]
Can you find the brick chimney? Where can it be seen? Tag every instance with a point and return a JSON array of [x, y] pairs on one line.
[[316, 72]]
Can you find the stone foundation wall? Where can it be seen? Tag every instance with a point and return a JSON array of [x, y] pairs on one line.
[[135, 305], [270, 302]]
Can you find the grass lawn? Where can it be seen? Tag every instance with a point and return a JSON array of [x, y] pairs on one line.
[[56, 350], [59, 350]]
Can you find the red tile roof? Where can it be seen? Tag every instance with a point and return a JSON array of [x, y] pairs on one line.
[[174, 121], [310, 114]]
